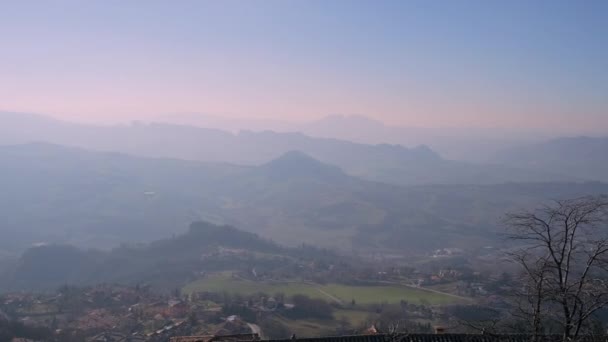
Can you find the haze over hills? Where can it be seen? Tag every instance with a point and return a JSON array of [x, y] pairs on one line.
[[282, 170], [457, 143], [385, 163], [480, 145], [289, 187], [475, 144], [582, 156], [101, 199]]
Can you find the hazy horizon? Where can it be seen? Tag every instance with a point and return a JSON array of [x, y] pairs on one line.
[[515, 65], [280, 170]]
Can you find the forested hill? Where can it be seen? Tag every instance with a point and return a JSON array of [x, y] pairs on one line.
[[164, 263]]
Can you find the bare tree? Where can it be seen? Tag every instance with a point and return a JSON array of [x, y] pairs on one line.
[[563, 253], [531, 302]]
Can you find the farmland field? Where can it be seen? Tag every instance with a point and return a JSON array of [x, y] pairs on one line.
[[355, 317], [385, 293], [224, 282]]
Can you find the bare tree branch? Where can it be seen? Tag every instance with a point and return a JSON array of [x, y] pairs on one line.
[[562, 250]]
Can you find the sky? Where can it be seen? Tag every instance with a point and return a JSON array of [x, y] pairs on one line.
[[518, 64]]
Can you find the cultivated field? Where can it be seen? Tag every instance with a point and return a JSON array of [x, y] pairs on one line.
[[331, 292]]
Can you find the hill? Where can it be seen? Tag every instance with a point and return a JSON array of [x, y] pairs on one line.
[[583, 157], [164, 263], [295, 164], [93, 199], [394, 164], [456, 143]]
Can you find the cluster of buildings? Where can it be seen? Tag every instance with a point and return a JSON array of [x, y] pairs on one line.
[[117, 313]]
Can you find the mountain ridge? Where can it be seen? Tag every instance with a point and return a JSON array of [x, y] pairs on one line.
[[393, 164], [582, 155]]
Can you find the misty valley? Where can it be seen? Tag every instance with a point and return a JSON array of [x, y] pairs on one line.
[[274, 233], [303, 171]]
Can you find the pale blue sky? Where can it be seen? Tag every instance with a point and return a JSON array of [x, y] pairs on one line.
[[459, 63]]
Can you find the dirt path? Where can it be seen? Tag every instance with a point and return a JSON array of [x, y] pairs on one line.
[[329, 295], [443, 293], [429, 290], [320, 290]]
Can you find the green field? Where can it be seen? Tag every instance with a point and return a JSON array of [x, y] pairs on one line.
[[224, 282], [387, 293], [355, 317]]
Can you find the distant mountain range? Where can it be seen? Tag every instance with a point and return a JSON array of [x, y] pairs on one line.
[[582, 157], [143, 182], [55, 194], [456, 143], [385, 163]]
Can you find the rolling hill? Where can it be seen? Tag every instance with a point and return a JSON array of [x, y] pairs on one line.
[[55, 194]]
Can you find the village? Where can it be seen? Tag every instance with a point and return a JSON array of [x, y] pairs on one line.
[[269, 307]]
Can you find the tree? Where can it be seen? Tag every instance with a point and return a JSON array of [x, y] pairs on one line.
[[392, 320], [563, 254]]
